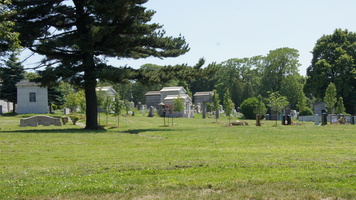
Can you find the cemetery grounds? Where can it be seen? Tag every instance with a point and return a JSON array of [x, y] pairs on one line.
[[194, 159]]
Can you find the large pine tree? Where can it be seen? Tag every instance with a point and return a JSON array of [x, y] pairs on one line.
[[75, 37], [11, 73]]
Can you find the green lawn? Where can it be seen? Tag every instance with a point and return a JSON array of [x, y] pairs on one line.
[[194, 159]]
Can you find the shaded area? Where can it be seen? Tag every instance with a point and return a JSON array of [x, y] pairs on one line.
[[68, 131], [138, 131]]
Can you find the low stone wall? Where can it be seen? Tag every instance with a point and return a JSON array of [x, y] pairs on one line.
[[312, 118], [40, 120]]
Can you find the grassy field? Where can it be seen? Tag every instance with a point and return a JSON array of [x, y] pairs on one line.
[[194, 159]]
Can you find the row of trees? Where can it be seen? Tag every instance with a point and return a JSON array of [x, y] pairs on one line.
[[74, 38], [334, 61], [241, 78]]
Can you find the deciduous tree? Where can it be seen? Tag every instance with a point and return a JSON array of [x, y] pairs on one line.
[[330, 98], [277, 102], [118, 106], [279, 64], [9, 40], [228, 104], [178, 104], [334, 60], [216, 104]]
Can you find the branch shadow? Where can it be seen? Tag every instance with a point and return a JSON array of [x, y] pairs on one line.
[[64, 131], [138, 131]]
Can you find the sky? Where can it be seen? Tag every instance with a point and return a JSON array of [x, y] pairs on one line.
[[225, 29]]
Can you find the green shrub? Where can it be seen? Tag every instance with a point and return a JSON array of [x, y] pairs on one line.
[[248, 108], [74, 119], [64, 120], [306, 112]]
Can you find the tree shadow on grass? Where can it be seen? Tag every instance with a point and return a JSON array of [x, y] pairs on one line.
[[138, 131], [42, 131]]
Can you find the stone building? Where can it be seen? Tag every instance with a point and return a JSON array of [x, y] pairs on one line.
[[31, 98], [5, 106], [153, 98], [166, 96], [107, 89], [319, 108], [203, 97]]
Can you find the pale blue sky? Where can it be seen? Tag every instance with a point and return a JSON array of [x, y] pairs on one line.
[[224, 29], [220, 30]]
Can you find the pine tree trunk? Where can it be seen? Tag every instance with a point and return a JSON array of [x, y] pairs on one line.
[[91, 108], [90, 94]]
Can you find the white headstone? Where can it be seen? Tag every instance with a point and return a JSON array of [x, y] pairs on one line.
[[316, 119]]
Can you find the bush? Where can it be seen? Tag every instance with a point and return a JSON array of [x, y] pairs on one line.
[[306, 112], [64, 120], [74, 119], [248, 108]]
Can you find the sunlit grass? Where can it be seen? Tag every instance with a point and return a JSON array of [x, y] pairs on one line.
[[194, 159]]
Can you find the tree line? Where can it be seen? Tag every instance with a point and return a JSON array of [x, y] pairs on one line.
[[75, 38]]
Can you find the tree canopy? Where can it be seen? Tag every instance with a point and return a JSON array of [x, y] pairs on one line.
[[76, 36], [11, 73], [8, 37], [334, 60]]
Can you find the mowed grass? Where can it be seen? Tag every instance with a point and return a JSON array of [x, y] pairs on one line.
[[194, 159]]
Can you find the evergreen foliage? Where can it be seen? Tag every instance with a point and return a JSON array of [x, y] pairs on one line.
[[340, 108], [11, 74], [75, 36]]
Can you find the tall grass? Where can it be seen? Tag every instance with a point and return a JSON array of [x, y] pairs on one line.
[[194, 159]]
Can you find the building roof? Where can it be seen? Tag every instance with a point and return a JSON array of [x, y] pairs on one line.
[[171, 97], [169, 89], [27, 83], [153, 93], [105, 89], [204, 93]]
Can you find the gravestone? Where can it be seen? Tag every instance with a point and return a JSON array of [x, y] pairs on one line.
[[221, 109], [217, 114], [316, 119], [198, 108], [289, 120], [204, 111], [151, 113], [66, 111], [283, 120], [324, 119], [353, 120], [132, 105], [267, 116]]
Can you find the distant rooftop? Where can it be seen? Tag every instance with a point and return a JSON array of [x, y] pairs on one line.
[[105, 89], [167, 89], [151, 93], [204, 93]]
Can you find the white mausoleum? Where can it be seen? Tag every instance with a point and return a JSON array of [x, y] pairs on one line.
[[167, 95], [31, 98]]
